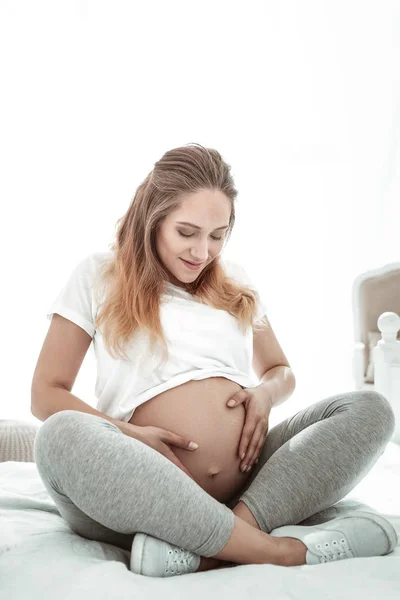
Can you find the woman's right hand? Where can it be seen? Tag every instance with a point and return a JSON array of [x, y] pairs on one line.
[[161, 440]]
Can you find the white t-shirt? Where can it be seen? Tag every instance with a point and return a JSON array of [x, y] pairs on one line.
[[202, 341]]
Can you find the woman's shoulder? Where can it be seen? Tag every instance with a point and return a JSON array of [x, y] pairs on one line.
[[235, 270], [100, 256], [93, 265]]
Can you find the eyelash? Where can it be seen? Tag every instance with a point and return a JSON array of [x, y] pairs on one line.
[[188, 236]]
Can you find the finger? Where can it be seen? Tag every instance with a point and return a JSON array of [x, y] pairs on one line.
[[181, 442], [257, 452], [247, 434], [253, 445], [173, 458]]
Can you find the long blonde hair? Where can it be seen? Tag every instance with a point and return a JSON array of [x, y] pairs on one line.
[[135, 276]]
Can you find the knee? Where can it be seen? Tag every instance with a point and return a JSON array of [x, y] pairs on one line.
[[53, 431], [379, 412], [59, 421]]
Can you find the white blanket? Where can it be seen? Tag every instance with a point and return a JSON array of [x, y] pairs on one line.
[[41, 558]]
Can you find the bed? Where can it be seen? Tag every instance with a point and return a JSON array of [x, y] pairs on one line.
[[42, 558]]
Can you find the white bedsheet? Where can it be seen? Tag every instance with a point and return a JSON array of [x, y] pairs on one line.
[[42, 558]]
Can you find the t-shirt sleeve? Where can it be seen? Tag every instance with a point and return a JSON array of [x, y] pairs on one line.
[[237, 272], [75, 300]]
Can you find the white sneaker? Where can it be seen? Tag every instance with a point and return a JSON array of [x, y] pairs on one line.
[[356, 534], [157, 558]]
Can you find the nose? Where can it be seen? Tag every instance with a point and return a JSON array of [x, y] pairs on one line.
[[199, 252]]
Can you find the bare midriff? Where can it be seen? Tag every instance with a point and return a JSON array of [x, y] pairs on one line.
[[197, 410]]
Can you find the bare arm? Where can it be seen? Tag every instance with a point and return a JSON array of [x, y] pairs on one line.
[[49, 399]]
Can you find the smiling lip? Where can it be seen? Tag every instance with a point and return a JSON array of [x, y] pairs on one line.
[[191, 265]]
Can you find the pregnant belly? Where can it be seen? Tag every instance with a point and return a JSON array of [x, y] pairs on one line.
[[197, 410]]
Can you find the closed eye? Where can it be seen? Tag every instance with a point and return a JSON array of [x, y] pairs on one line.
[[188, 236]]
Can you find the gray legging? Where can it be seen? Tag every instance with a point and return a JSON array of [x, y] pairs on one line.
[[108, 486]]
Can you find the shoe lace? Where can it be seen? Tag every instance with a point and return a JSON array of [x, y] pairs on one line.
[[179, 561], [335, 550]]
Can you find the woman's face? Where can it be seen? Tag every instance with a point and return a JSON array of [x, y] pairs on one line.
[[210, 210]]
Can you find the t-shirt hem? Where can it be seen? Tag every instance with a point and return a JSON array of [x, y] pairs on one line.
[[241, 379]]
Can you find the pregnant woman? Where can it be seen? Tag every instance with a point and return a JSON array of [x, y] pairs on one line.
[[177, 332]]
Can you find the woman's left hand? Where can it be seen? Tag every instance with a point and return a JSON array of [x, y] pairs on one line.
[[258, 404]]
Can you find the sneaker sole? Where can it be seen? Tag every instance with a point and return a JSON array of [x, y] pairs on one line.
[[137, 553]]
